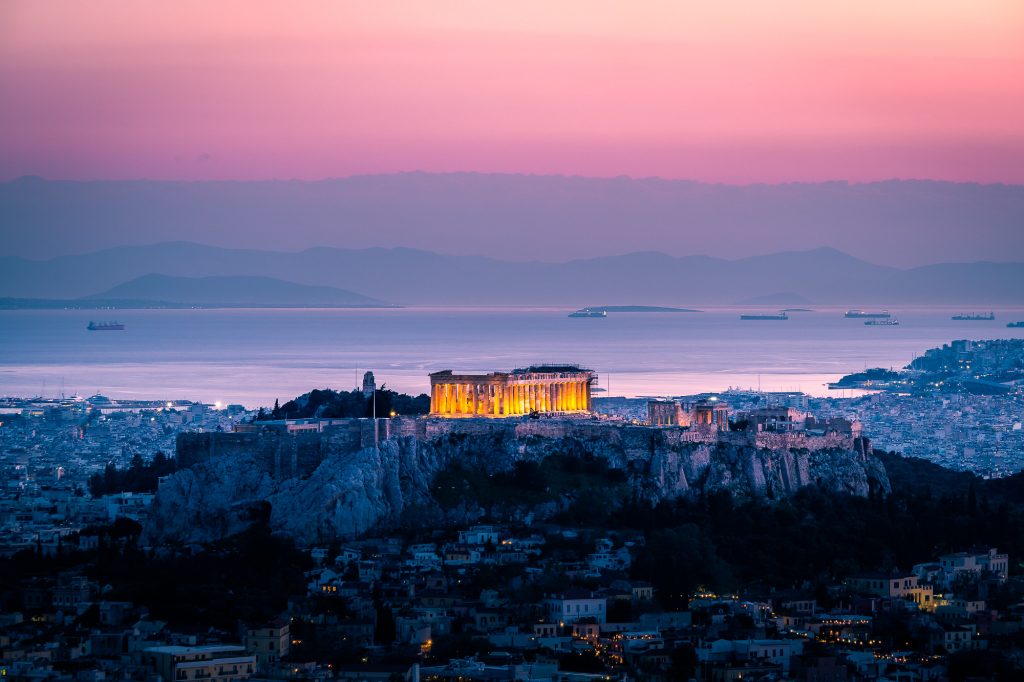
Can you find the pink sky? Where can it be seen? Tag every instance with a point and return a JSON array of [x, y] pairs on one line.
[[721, 90]]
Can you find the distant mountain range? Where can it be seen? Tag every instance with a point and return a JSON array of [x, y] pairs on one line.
[[546, 218], [331, 276]]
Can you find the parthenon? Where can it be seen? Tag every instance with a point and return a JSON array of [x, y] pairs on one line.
[[540, 388]]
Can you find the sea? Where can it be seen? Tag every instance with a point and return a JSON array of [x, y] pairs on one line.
[[254, 356]]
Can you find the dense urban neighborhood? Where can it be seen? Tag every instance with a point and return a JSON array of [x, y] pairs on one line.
[[544, 578]]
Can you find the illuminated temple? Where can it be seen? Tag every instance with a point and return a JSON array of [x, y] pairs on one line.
[[543, 388]]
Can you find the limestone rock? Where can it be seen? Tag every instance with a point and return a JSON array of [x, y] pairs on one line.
[[354, 490]]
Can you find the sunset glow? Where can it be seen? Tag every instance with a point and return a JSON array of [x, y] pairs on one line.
[[723, 91]]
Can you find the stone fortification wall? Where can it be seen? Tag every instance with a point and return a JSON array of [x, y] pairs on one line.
[[803, 441]]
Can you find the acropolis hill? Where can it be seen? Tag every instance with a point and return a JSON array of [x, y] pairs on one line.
[[340, 478]]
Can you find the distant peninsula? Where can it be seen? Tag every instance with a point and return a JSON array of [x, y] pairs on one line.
[[163, 291], [237, 291], [8, 303]]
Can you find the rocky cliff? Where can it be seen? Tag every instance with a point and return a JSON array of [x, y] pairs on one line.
[[347, 489]]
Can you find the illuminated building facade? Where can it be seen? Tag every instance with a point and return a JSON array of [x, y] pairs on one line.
[[542, 388]]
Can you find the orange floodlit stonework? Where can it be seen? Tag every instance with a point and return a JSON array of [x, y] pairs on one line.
[[542, 388]]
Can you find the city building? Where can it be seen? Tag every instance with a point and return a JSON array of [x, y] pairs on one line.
[[269, 642], [572, 605], [211, 663], [979, 561], [892, 586]]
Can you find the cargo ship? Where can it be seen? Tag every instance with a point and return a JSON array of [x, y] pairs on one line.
[[1015, 325], [882, 323], [974, 317], [105, 327], [587, 312], [780, 316], [883, 314]]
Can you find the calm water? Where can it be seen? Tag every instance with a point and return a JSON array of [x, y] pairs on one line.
[[255, 356]]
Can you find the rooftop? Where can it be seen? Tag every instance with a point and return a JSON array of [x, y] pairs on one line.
[[205, 649]]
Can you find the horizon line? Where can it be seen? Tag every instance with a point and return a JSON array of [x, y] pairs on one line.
[[569, 176]]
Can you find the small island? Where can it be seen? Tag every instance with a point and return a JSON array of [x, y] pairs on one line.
[[641, 309]]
